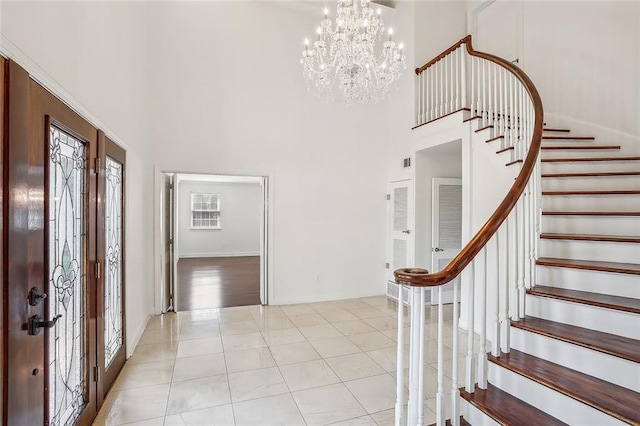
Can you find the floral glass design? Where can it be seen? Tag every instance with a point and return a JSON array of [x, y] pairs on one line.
[[67, 277], [113, 262]]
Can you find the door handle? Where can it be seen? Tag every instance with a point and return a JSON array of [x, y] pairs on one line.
[[36, 324], [437, 249], [407, 231]]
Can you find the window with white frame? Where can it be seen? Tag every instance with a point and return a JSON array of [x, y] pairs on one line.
[[205, 211]]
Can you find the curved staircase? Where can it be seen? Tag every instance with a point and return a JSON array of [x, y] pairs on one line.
[[553, 276]]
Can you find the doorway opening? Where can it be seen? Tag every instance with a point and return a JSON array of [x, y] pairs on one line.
[[438, 210], [213, 238]]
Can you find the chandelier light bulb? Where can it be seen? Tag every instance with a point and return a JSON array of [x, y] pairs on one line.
[[351, 57]]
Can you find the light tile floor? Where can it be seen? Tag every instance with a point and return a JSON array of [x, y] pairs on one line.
[[308, 364]]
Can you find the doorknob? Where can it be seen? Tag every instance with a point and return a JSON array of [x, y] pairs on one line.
[[437, 249], [36, 324], [407, 231]]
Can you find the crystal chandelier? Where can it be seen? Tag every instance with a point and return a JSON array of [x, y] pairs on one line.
[[343, 58]]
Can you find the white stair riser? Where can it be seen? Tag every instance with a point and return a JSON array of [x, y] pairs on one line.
[[598, 225], [606, 367], [624, 324], [474, 416], [558, 405], [590, 183], [591, 166], [590, 250], [590, 203], [624, 285], [579, 153]]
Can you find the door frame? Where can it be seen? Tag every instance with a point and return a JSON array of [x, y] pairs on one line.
[[435, 216], [266, 230], [411, 226]]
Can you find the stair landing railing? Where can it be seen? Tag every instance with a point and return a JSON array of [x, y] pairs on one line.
[[498, 263]]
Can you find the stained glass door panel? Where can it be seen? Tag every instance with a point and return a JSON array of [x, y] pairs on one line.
[[67, 277], [113, 336]]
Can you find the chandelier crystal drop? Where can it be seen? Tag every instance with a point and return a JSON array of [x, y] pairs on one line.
[[343, 57]]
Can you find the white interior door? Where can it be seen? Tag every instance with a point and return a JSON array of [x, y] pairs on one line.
[[446, 229], [400, 226]]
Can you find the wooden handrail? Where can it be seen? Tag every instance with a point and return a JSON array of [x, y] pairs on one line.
[[466, 40], [413, 277]]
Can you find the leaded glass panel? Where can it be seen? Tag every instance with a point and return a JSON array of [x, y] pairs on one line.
[[67, 279], [113, 266]]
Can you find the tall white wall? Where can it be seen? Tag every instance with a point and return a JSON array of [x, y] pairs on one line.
[[584, 58], [93, 54], [240, 208], [227, 84]]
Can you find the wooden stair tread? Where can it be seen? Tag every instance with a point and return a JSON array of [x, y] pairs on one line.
[[556, 147], [484, 128], [590, 174], [514, 162], [506, 409], [621, 347], [575, 213], [463, 422], [569, 138], [590, 192], [494, 139], [614, 400], [505, 150], [585, 237], [591, 265], [572, 160], [546, 129], [475, 117], [626, 304]]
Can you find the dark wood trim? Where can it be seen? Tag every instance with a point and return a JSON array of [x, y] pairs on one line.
[[506, 409], [590, 213], [569, 138], [475, 117], [546, 129], [477, 243], [483, 128], [598, 238], [587, 159], [611, 344], [494, 139], [598, 147], [4, 124], [511, 163], [509, 148], [605, 192], [590, 174], [590, 265], [619, 402], [459, 43], [617, 303], [440, 118], [463, 422]]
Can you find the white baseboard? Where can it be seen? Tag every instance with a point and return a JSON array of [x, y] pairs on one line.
[[228, 254], [137, 337]]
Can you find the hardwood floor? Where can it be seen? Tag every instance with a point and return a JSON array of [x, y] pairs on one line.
[[216, 282]]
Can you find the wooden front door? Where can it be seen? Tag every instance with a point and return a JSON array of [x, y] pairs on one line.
[[51, 196], [110, 238]]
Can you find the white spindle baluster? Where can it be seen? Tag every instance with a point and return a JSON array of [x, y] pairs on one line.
[[457, 73], [463, 76], [512, 112], [432, 69], [470, 377], [494, 84], [440, 410], [495, 350], [455, 393], [482, 304], [485, 114], [400, 359], [422, 106], [473, 86], [504, 316], [421, 361]]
